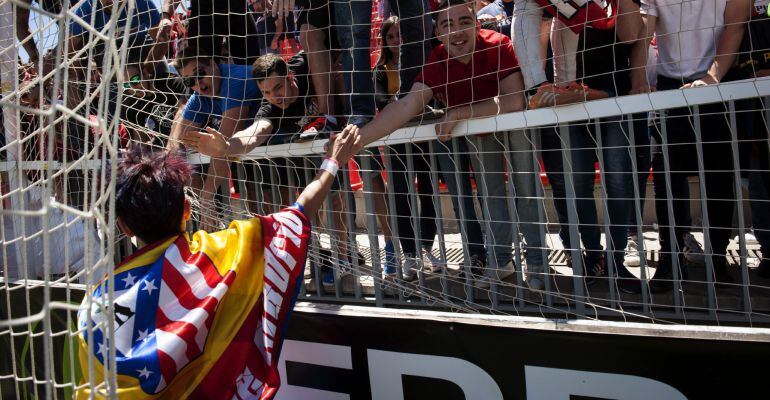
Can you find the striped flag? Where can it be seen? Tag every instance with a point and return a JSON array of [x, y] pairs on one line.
[[199, 317]]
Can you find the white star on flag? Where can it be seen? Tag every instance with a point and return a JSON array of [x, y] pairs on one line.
[[149, 286], [102, 350], [143, 336], [144, 372], [129, 280]]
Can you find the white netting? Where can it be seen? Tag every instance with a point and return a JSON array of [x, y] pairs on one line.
[[537, 218]]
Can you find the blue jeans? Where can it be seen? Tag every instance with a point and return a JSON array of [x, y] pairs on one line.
[[457, 179], [618, 181], [353, 18], [489, 163], [488, 158], [416, 28], [643, 162], [423, 212]]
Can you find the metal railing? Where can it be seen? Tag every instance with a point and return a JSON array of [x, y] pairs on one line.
[[701, 296]]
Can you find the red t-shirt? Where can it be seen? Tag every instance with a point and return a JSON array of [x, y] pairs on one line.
[[454, 83], [599, 14]]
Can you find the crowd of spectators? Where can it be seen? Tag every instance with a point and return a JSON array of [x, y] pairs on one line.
[[225, 77]]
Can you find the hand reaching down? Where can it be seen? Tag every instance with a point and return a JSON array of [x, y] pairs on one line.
[[209, 142]]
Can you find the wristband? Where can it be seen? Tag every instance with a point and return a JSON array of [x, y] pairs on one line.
[[298, 207], [330, 165]]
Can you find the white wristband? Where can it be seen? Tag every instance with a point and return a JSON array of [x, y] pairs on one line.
[[330, 166]]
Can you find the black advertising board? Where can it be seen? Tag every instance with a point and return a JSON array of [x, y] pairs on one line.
[[355, 355]]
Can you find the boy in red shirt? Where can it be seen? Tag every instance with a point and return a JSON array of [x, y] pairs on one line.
[[474, 73]]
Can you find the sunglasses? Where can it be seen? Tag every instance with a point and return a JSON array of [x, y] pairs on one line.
[[132, 81], [193, 79]]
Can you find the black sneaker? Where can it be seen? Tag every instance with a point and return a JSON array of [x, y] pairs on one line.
[[627, 282], [722, 276], [663, 279], [595, 267], [478, 264], [763, 270], [359, 257]]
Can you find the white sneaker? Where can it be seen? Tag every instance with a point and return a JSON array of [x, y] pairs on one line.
[[749, 238], [693, 251], [409, 269], [631, 258], [431, 263]]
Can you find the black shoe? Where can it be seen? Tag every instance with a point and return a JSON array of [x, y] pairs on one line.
[[722, 276], [763, 270], [478, 264], [627, 282], [663, 280], [359, 257], [595, 267]]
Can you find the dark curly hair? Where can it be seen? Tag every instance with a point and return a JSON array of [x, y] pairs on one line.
[[149, 193]]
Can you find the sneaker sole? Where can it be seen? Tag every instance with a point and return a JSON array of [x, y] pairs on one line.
[[633, 262]]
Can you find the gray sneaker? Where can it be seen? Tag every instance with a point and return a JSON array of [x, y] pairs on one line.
[[535, 283], [431, 263], [507, 270], [409, 269], [482, 282]]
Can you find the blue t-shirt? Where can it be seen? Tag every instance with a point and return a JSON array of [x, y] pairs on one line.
[[146, 16], [238, 89]]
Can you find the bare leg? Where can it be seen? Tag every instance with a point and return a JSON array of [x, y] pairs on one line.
[[340, 225], [381, 206]]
